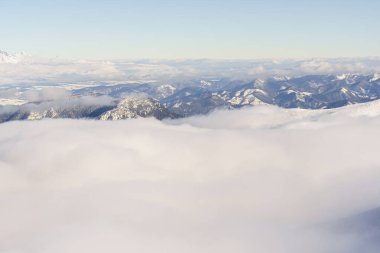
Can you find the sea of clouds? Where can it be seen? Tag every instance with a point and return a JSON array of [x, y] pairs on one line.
[[261, 179]]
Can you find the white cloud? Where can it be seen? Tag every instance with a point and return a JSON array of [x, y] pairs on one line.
[[253, 180], [29, 70], [53, 71], [46, 94], [325, 67]]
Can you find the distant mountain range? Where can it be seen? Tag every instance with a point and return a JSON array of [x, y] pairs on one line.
[[187, 98]]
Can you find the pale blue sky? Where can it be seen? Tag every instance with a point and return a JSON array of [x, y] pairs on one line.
[[222, 29]]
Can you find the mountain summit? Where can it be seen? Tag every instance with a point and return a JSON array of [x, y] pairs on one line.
[[6, 57]]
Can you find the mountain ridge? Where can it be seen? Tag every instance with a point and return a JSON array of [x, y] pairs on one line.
[[197, 96]]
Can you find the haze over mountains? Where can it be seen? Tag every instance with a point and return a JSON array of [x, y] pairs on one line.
[[120, 90]]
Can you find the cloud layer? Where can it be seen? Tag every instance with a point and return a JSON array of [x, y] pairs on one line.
[[262, 179], [24, 69]]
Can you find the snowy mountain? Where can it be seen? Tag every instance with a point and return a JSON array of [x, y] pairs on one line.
[[135, 107], [187, 98], [308, 92], [127, 108], [52, 111], [11, 58]]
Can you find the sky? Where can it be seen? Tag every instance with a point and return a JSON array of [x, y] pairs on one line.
[[168, 29]]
